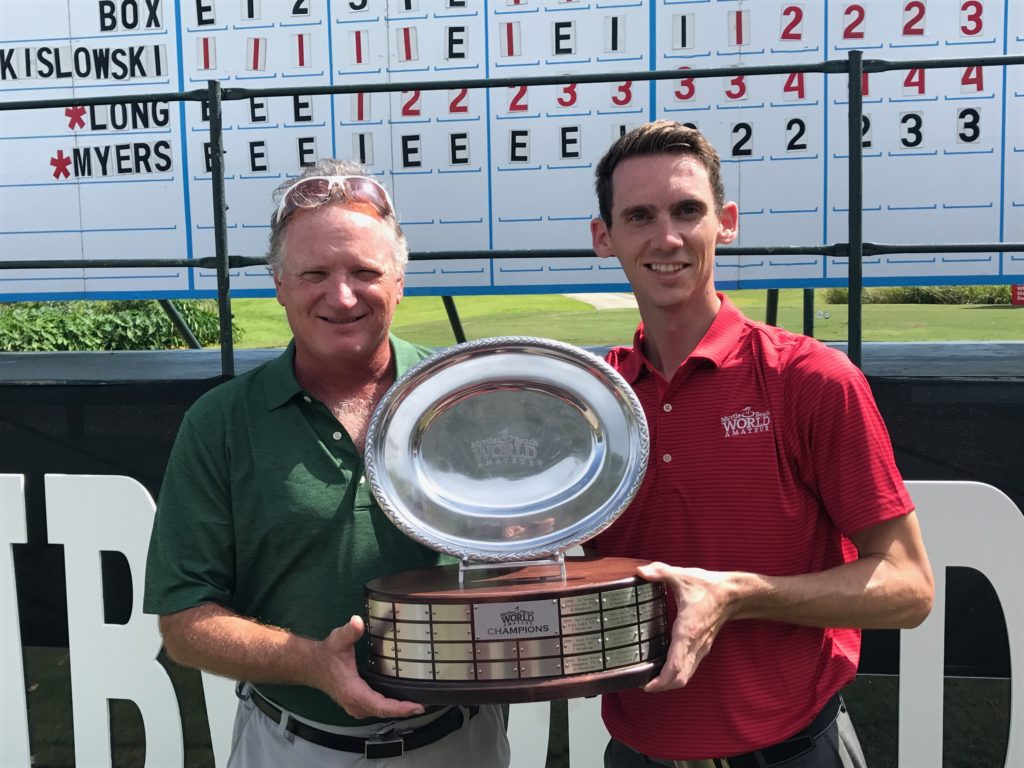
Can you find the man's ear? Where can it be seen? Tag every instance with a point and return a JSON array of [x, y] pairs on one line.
[[601, 238], [277, 287], [728, 223]]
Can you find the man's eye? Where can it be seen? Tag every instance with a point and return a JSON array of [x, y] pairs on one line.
[[313, 276]]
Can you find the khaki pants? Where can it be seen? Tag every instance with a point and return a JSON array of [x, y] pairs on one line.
[[259, 742]]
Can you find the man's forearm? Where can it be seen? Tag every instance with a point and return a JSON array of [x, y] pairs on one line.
[[890, 586], [218, 640], [867, 593]]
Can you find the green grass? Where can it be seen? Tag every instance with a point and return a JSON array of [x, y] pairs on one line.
[[423, 320]]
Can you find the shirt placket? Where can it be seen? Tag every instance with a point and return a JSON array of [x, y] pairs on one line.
[[337, 442], [664, 429]]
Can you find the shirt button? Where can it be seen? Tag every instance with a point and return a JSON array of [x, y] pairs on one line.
[[666, 407], [307, 398], [336, 435], [667, 458]]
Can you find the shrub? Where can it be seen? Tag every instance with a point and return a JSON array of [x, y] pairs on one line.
[[55, 326], [925, 294]]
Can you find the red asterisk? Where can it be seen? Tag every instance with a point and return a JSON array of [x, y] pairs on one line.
[[60, 165], [74, 115]]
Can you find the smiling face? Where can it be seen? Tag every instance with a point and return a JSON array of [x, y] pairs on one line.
[[339, 284], [663, 229]]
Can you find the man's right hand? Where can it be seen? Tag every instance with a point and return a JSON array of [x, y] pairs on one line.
[[341, 681]]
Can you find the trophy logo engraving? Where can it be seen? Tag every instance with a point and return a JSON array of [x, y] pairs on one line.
[[499, 621], [505, 448], [517, 616]]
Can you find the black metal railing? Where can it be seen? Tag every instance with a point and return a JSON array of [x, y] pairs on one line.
[[853, 250]]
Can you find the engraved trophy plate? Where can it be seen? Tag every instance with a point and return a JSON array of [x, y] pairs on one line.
[[521, 640], [503, 452]]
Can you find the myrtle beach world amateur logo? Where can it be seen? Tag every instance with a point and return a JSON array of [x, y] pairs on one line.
[[505, 448], [517, 622], [747, 422]]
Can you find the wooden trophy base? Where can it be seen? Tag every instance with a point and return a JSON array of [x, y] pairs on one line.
[[515, 635]]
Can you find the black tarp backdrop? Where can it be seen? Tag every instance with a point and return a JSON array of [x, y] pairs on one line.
[[942, 429]]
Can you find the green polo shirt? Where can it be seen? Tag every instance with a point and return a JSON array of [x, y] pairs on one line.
[[264, 509]]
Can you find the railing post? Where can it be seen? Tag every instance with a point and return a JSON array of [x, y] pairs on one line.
[[771, 309], [808, 311], [453, 318], [179, 323], [220, 229], [855, 219]]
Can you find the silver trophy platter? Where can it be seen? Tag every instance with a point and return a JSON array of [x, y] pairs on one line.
[[507, 449]]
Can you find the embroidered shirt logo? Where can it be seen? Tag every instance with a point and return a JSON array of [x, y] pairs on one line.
[[747, 422]]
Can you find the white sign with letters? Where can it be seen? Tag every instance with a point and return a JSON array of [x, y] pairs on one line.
[[504, 168], [964, 524]]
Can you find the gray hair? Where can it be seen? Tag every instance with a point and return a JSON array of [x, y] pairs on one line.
[[326, 167]]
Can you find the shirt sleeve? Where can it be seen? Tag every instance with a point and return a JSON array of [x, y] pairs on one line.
[[841, 442], [191, 549]]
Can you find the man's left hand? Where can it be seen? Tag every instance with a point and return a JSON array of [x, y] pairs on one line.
[[702, 600]]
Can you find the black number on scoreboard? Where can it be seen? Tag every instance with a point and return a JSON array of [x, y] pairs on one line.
[[911, 124], [968, 125], [742, 135], [795, 130]]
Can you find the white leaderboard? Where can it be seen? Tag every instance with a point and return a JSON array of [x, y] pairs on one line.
[[506, 168]]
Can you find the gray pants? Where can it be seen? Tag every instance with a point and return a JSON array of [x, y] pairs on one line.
[[259, 742], [836, 747]]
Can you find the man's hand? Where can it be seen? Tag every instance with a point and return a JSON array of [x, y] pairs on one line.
[[339, 677], [702, 602]]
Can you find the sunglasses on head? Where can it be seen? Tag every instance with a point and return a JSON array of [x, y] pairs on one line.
[[314, 191]]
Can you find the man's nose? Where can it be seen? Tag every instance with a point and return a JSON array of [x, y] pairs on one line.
[[667, 233], [342, 293]]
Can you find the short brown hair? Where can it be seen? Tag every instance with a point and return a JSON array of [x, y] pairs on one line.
[[660, 137]]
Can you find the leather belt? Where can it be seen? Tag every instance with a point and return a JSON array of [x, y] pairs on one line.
[[389, 743], [796, 745]]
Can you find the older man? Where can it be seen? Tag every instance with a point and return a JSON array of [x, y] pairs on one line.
[[265, 530], [772, 502]]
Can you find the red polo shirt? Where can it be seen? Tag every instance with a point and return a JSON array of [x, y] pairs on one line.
[[767, 451]]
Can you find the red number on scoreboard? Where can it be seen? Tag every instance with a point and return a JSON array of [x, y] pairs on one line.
[[971, 22], [519, 102], [411, 106], [686, 88], [854, 28], [794, 84], [793, 30], [457, 103], [623, 94], [568, 97], [913, 18], [738, 89]]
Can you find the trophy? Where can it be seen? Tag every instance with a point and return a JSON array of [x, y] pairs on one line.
[[504, 453]]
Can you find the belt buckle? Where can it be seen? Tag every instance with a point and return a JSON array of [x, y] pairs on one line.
[[384, 745]]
